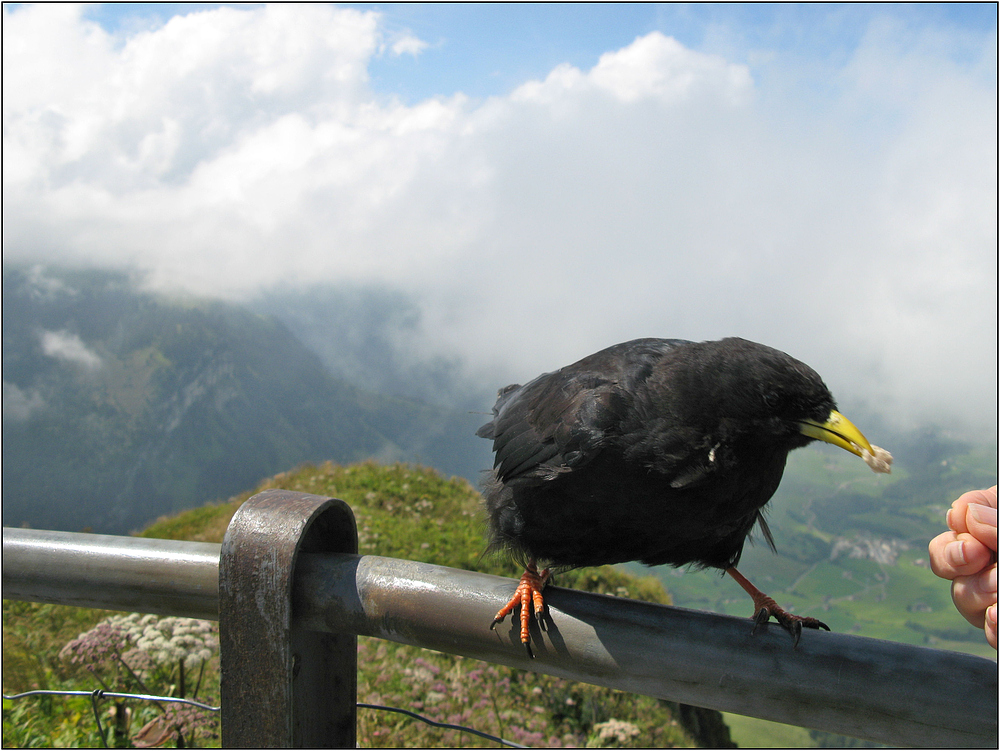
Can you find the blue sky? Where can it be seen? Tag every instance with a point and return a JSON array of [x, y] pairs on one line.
[[488, 49], [542, 180]]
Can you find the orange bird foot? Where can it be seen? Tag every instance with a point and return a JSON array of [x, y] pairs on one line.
[[765, 608], [527, 594]]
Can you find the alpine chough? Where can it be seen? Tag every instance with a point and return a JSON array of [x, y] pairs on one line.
[[662, 451]]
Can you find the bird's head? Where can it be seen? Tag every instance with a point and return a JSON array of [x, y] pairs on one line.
[[770, 397]]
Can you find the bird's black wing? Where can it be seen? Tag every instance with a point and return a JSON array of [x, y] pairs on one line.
[[560, 421]]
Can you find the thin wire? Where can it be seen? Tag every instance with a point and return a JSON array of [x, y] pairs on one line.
[[445, 725], [102, 694], [97, 716]]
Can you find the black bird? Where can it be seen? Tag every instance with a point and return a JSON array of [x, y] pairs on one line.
[[662, 451]]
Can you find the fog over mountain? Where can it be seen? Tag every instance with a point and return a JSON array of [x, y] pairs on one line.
[[840, 206], [120, 405]]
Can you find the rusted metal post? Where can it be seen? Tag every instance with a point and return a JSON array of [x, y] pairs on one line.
[[283, 686]]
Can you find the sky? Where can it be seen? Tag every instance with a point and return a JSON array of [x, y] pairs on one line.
[[544, 180]]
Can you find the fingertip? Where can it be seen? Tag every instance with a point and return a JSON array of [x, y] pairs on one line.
[[982, 523], [983, 514], [954, 553], [991, 625], [936, 553]]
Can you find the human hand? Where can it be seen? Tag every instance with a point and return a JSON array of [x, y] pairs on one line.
[[967, 555]]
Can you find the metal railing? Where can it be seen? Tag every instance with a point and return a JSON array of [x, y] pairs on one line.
[[291, 595]]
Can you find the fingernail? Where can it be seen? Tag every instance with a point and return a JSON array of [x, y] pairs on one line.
[[947, 519], [983, 514], [991, 579], [991, 614], [955, 553]]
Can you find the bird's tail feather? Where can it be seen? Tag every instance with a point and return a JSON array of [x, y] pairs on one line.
[[766, 530]]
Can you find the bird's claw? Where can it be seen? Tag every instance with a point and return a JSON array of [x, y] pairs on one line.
[[796, 631], [793, 624], [527, 597], [763, 615]]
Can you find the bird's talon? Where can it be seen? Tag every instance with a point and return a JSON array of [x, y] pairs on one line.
[[796, 629], [763, 615]]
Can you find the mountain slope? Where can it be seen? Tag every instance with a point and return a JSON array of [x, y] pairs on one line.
[[121, 405]]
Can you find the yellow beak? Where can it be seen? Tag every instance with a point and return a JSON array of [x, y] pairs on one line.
[[839, 431]]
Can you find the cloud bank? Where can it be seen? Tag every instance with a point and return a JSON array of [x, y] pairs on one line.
[[67, 346], [848, 218]]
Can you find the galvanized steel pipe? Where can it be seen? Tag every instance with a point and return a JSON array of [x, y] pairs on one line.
[[884, 691], [167, 577]]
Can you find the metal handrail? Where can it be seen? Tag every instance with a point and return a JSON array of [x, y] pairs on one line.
[[134, 574], [868, 688]]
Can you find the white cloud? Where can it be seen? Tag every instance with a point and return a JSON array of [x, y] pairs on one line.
[[63, 345], [407, 44], [662, 192], [19, 404], [661, 67]]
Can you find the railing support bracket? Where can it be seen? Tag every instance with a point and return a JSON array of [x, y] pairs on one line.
[[283, 686]]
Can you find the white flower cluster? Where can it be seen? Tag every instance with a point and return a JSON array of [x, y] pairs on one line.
[[616, 730], [169, 640]]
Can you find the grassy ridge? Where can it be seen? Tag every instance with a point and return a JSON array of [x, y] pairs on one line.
[[402, 511]]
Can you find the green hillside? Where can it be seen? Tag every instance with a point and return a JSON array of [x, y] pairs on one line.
[[403, 511], [852, 545]]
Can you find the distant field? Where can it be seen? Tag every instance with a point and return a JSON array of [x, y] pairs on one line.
[[900, 600]]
